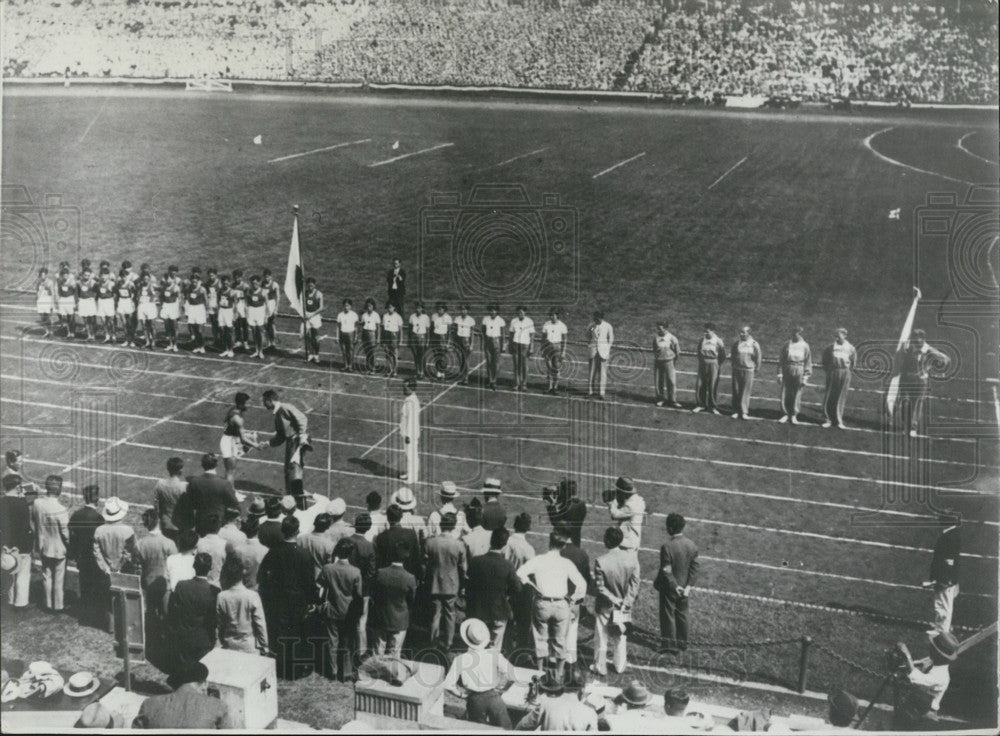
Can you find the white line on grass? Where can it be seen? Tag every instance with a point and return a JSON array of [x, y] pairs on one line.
[[412, 153], [319, 150], [867, 143], [512, 160], [94, 120], [728, 171], [961, 147], [620, 163]]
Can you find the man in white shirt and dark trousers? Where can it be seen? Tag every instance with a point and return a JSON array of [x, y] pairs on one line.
[[522, 330], [420, 326], [347, 322], [601, 338], [409, 430], [551, 575], [665, 352], [554, 348], [464, 324], [392, 335], [494, 327]]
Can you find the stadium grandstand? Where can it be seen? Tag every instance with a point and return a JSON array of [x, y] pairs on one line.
[[696, 51]]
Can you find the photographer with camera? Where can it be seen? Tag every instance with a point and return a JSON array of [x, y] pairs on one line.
[[566, 512], [626, 507], [920, 685]]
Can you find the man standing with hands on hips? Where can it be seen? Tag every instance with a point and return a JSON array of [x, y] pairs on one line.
[[409, 430], [602, 337]]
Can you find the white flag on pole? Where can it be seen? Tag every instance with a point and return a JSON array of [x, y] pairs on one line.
[[293, 276], [893, 392]]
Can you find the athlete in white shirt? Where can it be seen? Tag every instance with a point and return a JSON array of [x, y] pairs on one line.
[[440, 338], [602, 337], [420, 326], [494, 327], [464, 325], [554, 348], [522, 330], [371, 325], [347, 334], [392, 334]]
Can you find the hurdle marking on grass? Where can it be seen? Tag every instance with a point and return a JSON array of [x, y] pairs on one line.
[[867, 143], [620, 163], [319, 150], [407, 155], [961, 147], [728, 171]]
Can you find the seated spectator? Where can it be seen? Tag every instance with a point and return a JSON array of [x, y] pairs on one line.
[[188, 707]]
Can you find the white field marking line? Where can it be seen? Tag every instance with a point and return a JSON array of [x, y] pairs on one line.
[[728, 171], [710, 591], [442, 393], [724, 560], [512, 160], [725, 491], [94, 120], [961, 147], [867, 143], [664, 430], [620, 163], [646, 453], [659, 514], [407, 155], [319, 150], [723, 377]]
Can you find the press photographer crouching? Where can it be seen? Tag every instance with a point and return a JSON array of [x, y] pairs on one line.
[[921, 684]]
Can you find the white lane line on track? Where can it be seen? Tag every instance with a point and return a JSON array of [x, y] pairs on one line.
[[93, 120], [620, 163], [728, 171], [407, 155], [725, 491], [867, 143], [512, 160], [961, 147], [745, 563], [320, 150]]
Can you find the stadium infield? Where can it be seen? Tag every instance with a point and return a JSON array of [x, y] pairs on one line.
[[803, 531]]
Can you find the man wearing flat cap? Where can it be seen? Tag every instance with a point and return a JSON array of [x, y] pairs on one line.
[[627, 508], [494, 514]]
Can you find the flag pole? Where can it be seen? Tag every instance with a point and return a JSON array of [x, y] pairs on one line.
[[302, 298]]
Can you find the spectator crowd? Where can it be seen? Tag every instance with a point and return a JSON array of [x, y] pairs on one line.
[[914, 51]]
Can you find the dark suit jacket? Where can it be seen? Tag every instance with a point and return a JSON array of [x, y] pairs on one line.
[[568, 518], [494, 515], [363, 558], [82, 525], [269, 533], [184, 708], [207, 493], [286, 577], [446, 564], [386, 542], [491, 586], [580, 560], [400, 286], [947, 547], [15, 524], [191, 616], [392, 596], [341, 584], [681, 554]]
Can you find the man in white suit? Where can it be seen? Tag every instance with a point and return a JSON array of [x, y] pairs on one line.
[[602, 337], [409, 430]]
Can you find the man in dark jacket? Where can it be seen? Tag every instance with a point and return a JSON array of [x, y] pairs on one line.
[[678, 570], [16, 533], [340, 582], [566, 512], [191, 616], [494, 514], [189, 706], [575, 554], [492, 587], [287, 587], [446, 564], [395, 284], [393, 594], [363, 558], [269, 531], [209, 492], [395, 535], [82, 525]]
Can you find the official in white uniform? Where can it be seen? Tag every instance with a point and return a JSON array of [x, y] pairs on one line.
[[409, 430], [602, 337]]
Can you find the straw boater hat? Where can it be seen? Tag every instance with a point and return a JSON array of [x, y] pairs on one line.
[[625, 485], [257, 507], [449, 490], [946, 645], [404, 499], [492, 485], [336, 507], [288, 502], [114, 509], [551, 681], [474, 633], [9, 559], [81, 685], [636, 694]]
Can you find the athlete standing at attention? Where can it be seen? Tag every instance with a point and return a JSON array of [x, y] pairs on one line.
[[392, 334], [106, 305], [235, 439], [240, 288], [170, 309], [45, 299], [194, 306], [66, 295], [86, 302], [272, 294], [371, 326], [125, 289], [146, 308], [226, 301], [256, 306], [314, 319], [212, 303]]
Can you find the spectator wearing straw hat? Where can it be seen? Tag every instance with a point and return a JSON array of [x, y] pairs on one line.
[[494, 514], [395, 535], [632, 715], [114, 549], [626, 507], [188, 707], [341, 600], [393, 595], [448, 493], [678, 571], [50, 520], [480, 674], [616, 579], [492, 588], [406, 500], [445, 565]]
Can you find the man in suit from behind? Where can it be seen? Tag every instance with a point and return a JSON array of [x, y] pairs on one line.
[[678, 571], [191, 616], [188, 707], [363, 558], [51, 524], [492, 588], [396, 534], [616, 576], [393, 595], [567, 512], [341, 597], [209, 492], [317, 543], [269, 531], [446, 564]]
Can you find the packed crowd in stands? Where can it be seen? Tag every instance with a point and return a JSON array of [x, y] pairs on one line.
[[814, 51]]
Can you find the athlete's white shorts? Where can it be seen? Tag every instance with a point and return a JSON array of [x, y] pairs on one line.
[[105, 307], [272, 307], [196, 314], [226, 317], [67, 305], [45, 305], [315, 322], [147, 311], [87, 308], [230, 447], [241, 309], [170, 310], [256, 316], [126, 306]]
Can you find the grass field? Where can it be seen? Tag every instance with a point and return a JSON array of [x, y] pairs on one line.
[[770, 219]]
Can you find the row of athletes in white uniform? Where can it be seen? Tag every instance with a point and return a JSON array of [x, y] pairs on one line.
[[240, 311]]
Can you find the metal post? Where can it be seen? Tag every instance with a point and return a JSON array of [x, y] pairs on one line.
[[806, 641]]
